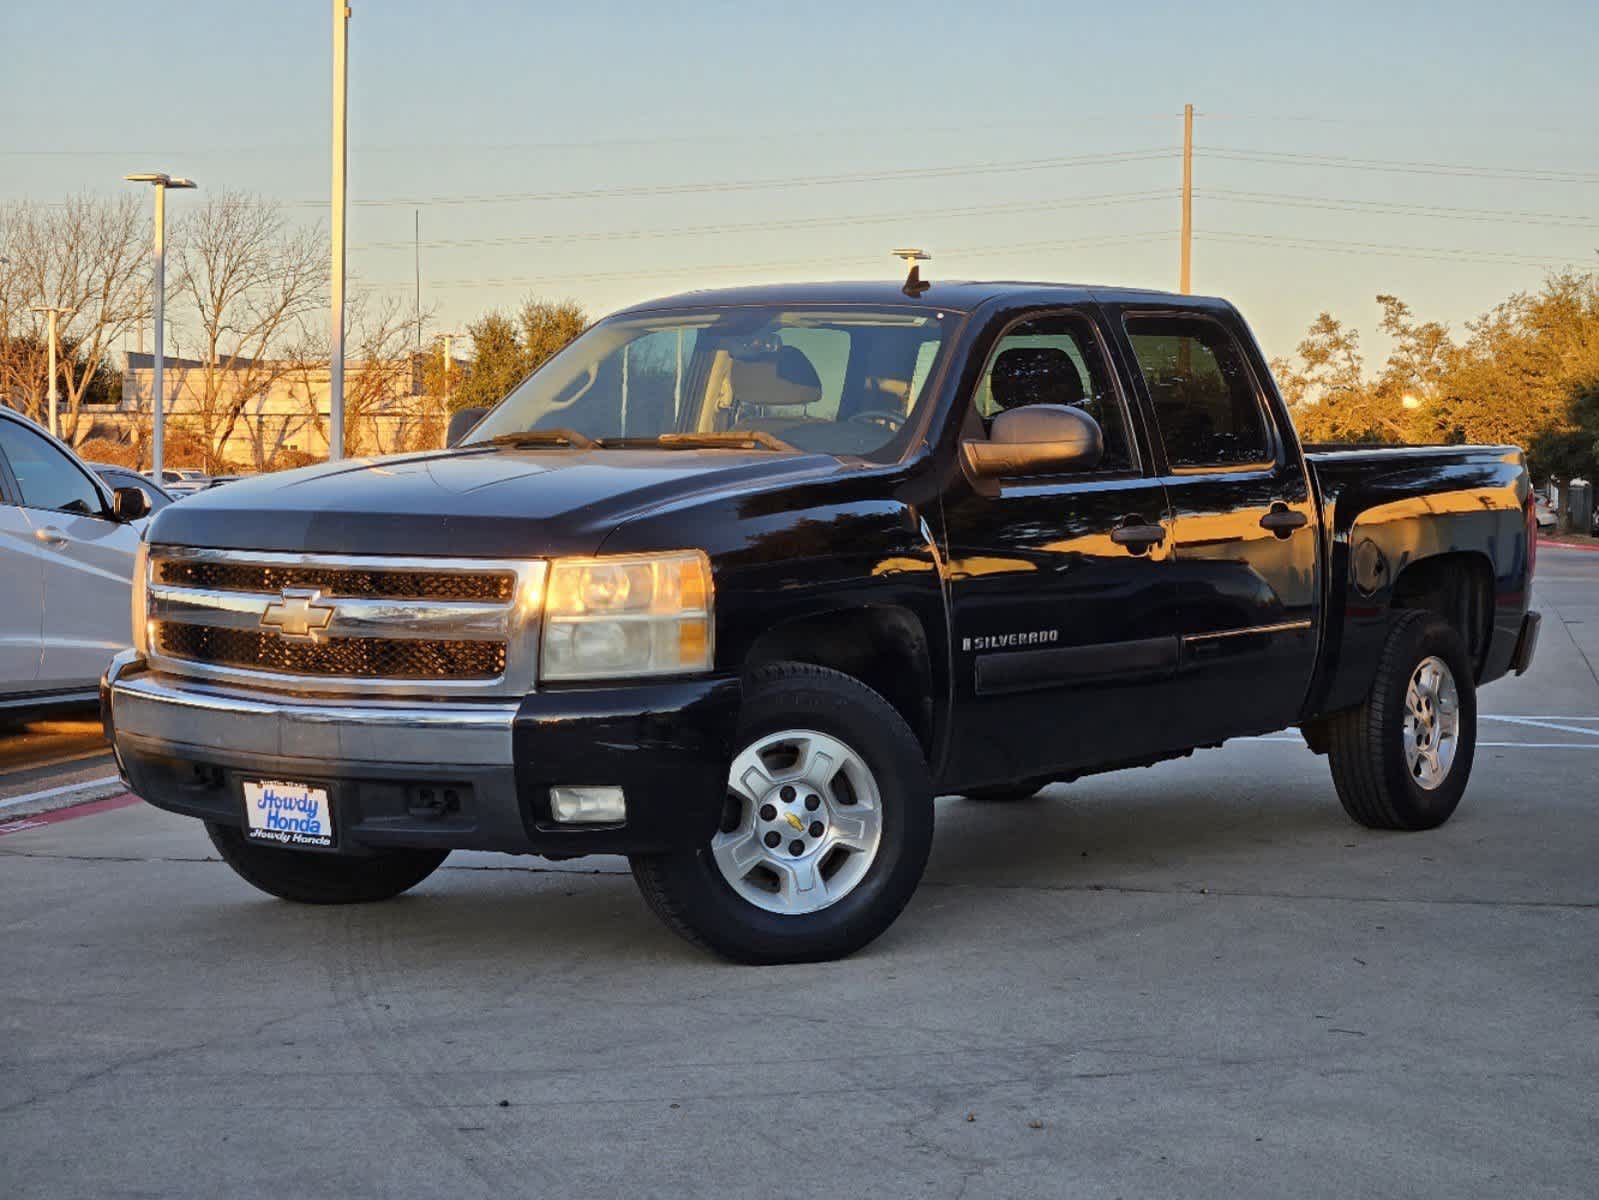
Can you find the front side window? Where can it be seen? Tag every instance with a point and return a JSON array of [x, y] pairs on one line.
[[843, 381], [1205, 399], [47, 478], [1056, 360]]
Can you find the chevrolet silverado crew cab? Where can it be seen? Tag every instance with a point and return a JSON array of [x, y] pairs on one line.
[[740, 580]]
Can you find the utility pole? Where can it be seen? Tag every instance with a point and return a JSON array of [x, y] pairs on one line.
[[341, 162], [1185, 279], [54, 312], [161, 182]]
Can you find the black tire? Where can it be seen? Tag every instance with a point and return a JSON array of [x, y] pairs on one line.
[[1006, 793], [310, 878], [687, 890], [1366, 745]]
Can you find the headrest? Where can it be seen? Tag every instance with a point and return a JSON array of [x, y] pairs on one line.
[[1035, 375], [784, 379]]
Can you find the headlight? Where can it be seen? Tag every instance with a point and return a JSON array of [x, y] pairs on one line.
[[606, 618], [141, 589]]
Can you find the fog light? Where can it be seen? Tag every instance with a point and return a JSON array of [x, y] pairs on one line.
[[588, 805]]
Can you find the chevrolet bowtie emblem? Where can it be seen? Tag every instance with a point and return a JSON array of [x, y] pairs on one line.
[[298, 615], [794, 821]]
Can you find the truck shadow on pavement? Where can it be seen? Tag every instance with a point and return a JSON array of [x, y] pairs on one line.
[[481, 912]]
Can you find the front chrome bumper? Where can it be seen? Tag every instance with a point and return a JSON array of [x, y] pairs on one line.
[[161, 713], [450, 773]]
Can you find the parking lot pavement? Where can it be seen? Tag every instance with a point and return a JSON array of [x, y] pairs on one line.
[[50, 763], [1194, 980]]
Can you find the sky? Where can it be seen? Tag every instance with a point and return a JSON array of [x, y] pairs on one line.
[[610, 152]]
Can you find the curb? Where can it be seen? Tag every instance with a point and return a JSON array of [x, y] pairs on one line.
[[36, 803], [67, 812], [1558, 545]]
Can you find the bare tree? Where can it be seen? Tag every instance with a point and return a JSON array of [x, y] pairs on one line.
[[385, 412], [249, 283], [85, 254]]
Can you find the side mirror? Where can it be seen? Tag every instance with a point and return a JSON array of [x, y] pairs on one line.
[[1036, 439], [129, 504], [461, 422]]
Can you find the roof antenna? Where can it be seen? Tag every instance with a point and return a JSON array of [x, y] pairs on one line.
[[914, 284]]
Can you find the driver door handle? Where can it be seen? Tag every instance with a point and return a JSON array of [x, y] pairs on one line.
[[51, 536], [1137, 536], [1283, 520]]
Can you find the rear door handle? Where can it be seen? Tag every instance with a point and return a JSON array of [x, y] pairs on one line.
[[51, 536], [1137, 537], [1283, 520]]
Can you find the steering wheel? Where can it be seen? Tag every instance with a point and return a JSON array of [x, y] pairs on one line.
[[884, 417]]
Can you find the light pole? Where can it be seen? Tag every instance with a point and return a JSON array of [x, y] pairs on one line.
[[162, 182], [54, 312], [341, 162], [447, 337]]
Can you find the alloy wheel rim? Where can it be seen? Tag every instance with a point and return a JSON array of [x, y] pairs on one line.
[[1432, 722], [803, 824]]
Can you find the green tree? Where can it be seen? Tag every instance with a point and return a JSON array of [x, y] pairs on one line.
[[1328, 393], [505, 350], [1529, 375]]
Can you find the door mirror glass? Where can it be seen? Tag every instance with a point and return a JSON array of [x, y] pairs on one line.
[[130, 503], [461, 422], [1036, 439]]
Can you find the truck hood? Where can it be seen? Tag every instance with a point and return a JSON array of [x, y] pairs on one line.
[[477, 502]]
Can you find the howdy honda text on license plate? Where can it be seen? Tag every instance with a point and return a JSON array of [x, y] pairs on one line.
[[295, 816]]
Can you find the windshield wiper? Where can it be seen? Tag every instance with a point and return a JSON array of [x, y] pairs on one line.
[[737, 439], [544, 437]]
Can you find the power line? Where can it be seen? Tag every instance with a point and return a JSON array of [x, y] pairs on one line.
[[834, 222], [1386, 249], [788, 265], [1399, 166], [746, 185], [1516, 216]]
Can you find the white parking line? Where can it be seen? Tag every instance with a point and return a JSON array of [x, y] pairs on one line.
[[1542, 723], [1294, 741], [86, 785]]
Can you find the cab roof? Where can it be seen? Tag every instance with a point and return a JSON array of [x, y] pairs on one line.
[[953, 295]]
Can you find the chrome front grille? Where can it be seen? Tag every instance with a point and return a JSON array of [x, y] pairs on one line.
[[351, 657], [345, 624], [372, 583]]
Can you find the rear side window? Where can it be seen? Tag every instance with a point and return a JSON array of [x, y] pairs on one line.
[[1206, 403], [1056, 360], [47, 478]]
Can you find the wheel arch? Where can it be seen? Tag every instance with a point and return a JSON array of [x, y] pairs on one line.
[[885, 646], [1457, 586]]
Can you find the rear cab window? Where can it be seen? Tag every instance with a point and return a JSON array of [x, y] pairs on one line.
[[1207, 405]]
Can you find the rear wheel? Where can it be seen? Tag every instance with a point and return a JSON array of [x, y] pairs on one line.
[[825, 833], [311, 878], [1403, 758]]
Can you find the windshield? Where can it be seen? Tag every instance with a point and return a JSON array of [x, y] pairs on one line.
[[834, 381]]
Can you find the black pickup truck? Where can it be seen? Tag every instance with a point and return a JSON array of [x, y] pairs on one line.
[[740, 580]]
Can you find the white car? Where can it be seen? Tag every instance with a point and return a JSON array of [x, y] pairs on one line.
[[184, 481], [67, 546]]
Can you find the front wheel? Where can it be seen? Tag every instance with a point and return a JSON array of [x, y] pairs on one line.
[[825, 833], [1402, 759], [311, 878]]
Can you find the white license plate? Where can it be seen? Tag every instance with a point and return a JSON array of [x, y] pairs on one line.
[[295, 816]]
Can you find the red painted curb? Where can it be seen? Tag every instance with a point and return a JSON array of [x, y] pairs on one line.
[[1568, 545], [87, 809]]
